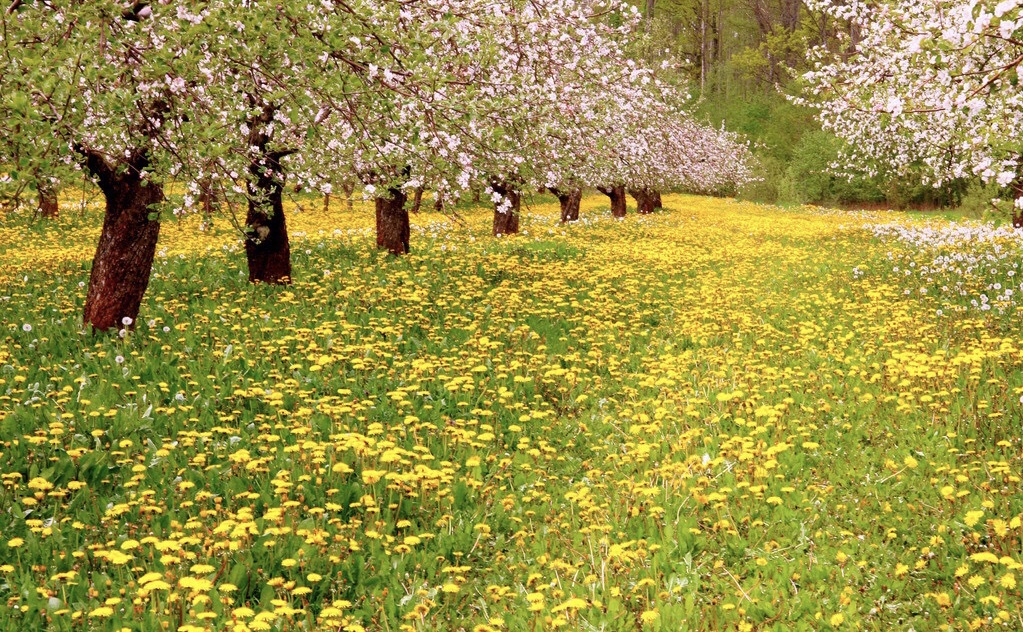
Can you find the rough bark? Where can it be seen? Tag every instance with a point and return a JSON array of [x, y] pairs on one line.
[[267, 248], [48, 208], [644, 200], [570, 200], [393, 228], [349, 190], [208, 200], [656, 195], [127, 244], [506, 222], [617, 195], [417, 200]]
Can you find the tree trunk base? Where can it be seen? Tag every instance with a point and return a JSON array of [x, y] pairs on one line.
[[48, 206], [645, 201], [267, 247], [506, 219], [618, 201], [570, 200], [393, 228], [127, 246]]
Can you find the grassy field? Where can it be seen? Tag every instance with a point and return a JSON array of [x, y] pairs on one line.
[[722, 416]]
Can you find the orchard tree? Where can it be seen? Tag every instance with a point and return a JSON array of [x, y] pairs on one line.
[[407, 117], [655, 145], [105, 88], [930, 86]]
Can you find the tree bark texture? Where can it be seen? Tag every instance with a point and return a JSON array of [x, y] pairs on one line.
[[645, 202], [570, 200], [417, 200], [267, 248], [617, 195], [208, 200], [48, 207], [506, 222], [656, 196], [127, 245], [349, 190], [393, 228]]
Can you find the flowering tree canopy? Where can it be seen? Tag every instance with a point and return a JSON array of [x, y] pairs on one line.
[[929, 85]]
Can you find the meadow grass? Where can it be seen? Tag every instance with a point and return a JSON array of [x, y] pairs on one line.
[[721, 416]]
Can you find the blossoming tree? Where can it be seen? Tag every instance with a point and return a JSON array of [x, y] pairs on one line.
[[929, 84], [100, 87]]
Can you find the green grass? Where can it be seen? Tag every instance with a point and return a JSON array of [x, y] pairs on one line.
[[700, 419]]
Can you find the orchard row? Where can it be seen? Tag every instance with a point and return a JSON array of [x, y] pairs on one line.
[[396, 97]]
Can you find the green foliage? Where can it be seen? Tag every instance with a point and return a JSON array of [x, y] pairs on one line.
[[809, 180]]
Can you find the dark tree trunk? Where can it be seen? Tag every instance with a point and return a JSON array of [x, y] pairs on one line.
[[349, 190], [326, 202], [438, 203], [266, 241], [656, 196], [617, 195], [208, 201], [570, 200], [417, 200], [48, 208], [266, 246], [393, 229], [644, 200], [506, 222], [127, 245], [1017, 189]]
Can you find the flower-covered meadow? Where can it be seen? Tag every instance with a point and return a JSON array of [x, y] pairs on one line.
[[721, 416]]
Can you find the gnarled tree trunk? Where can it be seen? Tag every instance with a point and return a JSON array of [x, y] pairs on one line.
[[393, 228], [267, 248], [656, 196], [417, 200], [266, 241], [644, 200], [127, 245], [349, 190], [617, 195], [570, 200], [48, 207], [506, 212], [208, 199]]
